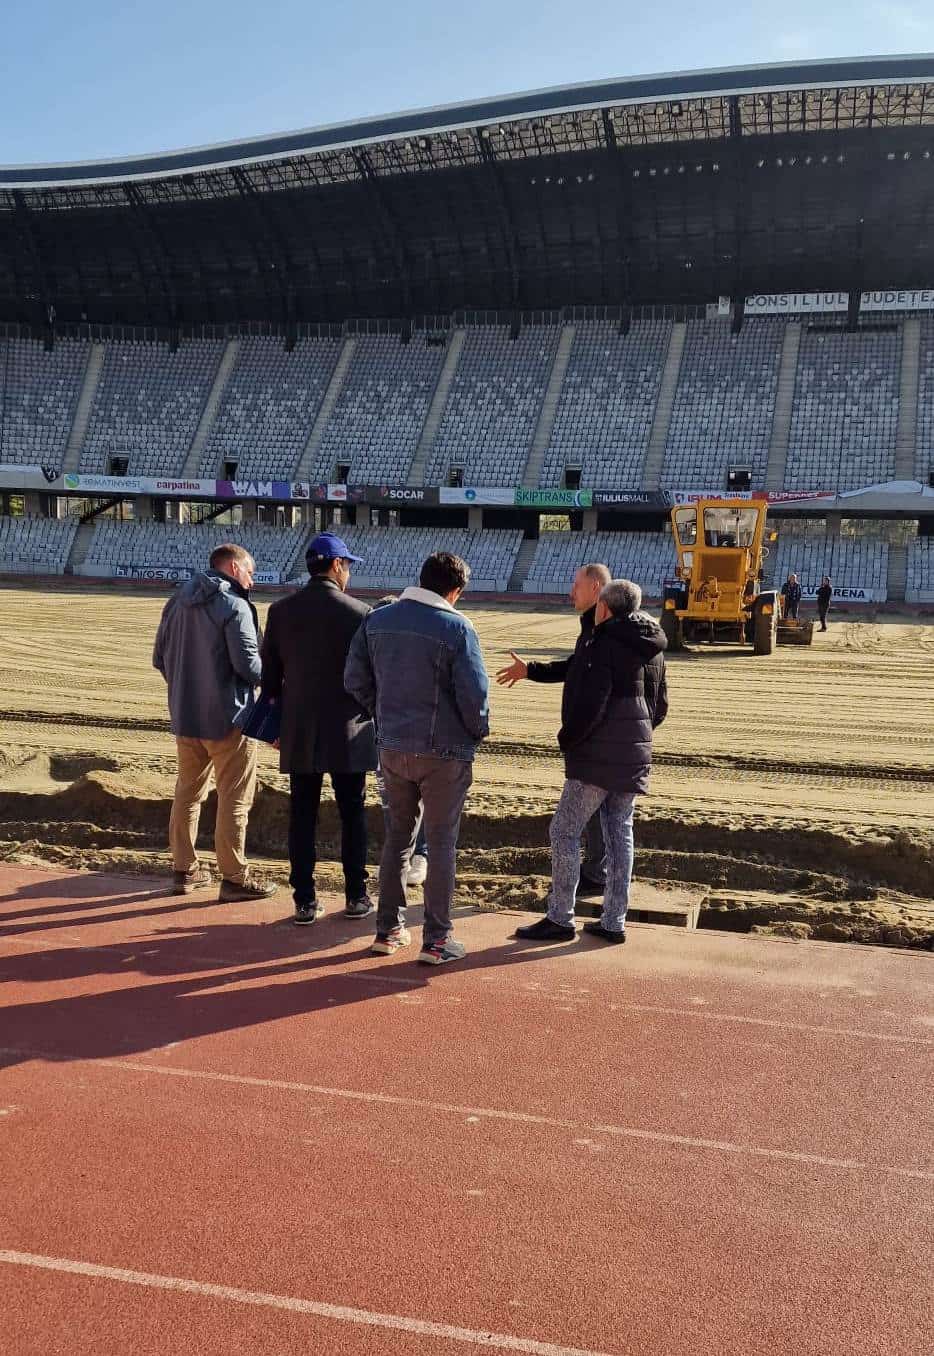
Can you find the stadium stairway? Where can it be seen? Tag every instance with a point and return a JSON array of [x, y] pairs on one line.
[[655, 453], [79, 423], [897, 571], [523, 564], [784, 404], [546, 419], [306, 461], [436, 409], [907, 407], [192, 466], [79, 547]]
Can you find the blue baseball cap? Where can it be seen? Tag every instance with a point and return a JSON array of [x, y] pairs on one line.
[[328, 547]]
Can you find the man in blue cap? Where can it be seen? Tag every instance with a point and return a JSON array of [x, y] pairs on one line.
[[323, 729]]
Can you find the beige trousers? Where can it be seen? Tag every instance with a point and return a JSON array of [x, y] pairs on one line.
[[233, 763]]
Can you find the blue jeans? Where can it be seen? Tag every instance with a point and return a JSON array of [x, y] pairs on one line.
[[578, 802]]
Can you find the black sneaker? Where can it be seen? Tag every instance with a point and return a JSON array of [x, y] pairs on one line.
[[546, 931], [590, 889], [359, 908], [307, 913], [605, 934]]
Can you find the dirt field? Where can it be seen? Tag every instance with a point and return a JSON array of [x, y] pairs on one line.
[[797, 790]]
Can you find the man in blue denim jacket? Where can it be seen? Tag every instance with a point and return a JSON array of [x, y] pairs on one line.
[[416, 668]]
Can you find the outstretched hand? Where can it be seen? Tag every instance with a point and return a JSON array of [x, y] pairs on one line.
[[513, 673]]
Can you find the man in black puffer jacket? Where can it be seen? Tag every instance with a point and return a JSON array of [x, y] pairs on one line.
[[615, 693]]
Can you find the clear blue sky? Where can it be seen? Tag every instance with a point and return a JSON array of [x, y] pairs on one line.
[[81, 79]]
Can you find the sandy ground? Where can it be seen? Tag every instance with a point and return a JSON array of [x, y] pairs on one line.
[[797, 789]]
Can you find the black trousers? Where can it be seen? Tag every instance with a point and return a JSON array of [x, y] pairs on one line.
[[304, 802], [822, 610]]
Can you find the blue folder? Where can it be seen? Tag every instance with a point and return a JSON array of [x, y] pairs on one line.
[[263, 721]]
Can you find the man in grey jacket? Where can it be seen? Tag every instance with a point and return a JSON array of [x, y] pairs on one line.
[[208, 653]]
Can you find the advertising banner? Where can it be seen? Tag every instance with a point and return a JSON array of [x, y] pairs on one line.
[[826, 303], [400, 496], [254, 489], [853, 594], [172, 573], [558, 499], [623, 499], [476, 495]]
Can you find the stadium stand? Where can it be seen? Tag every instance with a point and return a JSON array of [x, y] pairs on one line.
[[148, 405], [924, 438], [268, 407], [645, 557], [187, 545], [607, 404], [493, 408], [381, 409], [851, 562], [35, 545], [724, 403], [845, 414], [920, 582], [392, 556], [38, 395]]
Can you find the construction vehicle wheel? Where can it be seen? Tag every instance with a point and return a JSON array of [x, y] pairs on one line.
[[674, 633], [766, 625]]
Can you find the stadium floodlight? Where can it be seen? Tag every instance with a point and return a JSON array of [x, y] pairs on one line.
[[890, 155], [759, 163], [677, 109], [841, 159], [698, 168], [792, 160], [653, 172], [715, 167], [927, 155], [779, 161], [906, 155], [680, 169]]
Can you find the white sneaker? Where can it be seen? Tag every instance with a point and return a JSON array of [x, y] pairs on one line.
[[418, 870]]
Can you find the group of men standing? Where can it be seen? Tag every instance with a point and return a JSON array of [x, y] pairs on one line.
[[401, 689]]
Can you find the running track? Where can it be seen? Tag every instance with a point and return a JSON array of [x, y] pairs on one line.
[[222, 1134]]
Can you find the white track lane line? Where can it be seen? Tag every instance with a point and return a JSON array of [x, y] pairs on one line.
[[493, 1113], [337, 1313]]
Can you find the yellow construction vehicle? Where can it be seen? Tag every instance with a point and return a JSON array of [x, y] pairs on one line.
[[717, 592]]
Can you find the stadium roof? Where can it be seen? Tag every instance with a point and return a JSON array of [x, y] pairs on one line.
[[667, 188]]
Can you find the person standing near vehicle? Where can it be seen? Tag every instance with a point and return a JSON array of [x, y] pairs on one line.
[[824, 595], [323, 730], [791, 592], [207, 651], [585, 590]]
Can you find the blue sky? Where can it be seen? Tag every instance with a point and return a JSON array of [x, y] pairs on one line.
[[99, 78]]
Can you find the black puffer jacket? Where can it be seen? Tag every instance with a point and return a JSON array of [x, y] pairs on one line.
[[615, 693]]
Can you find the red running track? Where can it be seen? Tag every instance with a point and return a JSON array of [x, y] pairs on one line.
[[223, 1134]]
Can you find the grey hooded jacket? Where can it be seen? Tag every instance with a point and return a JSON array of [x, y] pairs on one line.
[[207, 651]]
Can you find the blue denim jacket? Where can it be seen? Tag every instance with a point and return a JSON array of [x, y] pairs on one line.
[[416, 667]]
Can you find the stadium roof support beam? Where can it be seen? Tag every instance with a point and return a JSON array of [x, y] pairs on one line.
[[32, 250], [624, 209], [141, 217], [507, 225], [136, 214], [389, 226], [263, 245], [737, 163]]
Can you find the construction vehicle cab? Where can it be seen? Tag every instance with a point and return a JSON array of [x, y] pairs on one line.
[[717, 591]]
